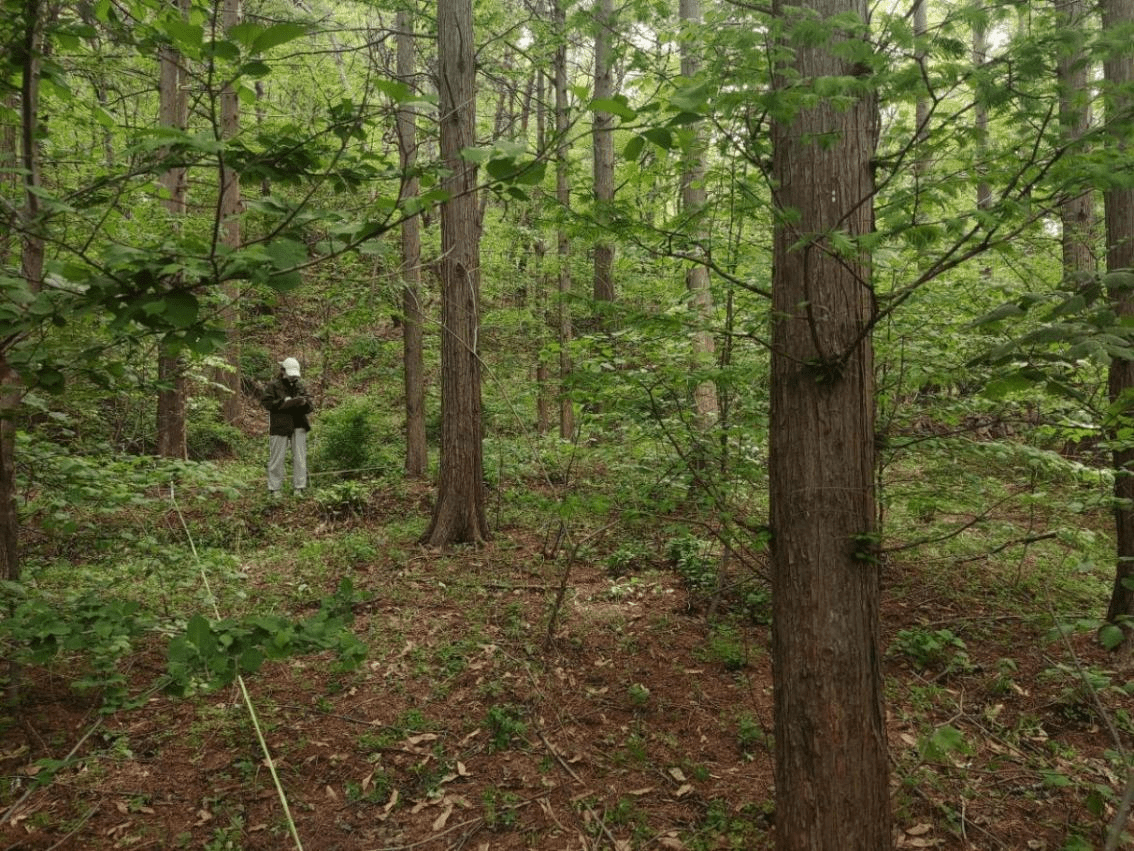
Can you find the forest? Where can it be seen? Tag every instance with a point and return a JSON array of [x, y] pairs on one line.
[[721, 425]]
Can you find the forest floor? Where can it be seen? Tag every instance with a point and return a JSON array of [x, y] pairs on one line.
[[642, 724]]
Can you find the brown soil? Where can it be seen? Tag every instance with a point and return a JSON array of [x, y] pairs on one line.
[[632, 730]]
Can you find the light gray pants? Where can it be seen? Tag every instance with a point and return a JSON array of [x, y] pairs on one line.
[[277, 450]]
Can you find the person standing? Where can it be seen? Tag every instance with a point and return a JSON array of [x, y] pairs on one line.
[[288, 406]]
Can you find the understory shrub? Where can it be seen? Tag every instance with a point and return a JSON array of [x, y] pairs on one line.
[[347, 438]]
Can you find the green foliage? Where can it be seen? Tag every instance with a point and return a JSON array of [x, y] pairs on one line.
[[348, 440], [751, 735], [628, 558], [211, 654], [1081, 688], [100, 631], [505, 724], [339, 500], [938, 649], [692, 558], [942, 743], [726, 646], [498, 809]]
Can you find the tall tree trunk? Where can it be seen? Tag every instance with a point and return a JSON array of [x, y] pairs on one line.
[[9, 381], [603, 143], [1118, 70], [832, 789], [543, 357], [921, 108], [980, 117], [417, 455], [563, 240], [229, 214], [173, 110], [32, 256], [1077, 213], [459, 515], [697, 276]]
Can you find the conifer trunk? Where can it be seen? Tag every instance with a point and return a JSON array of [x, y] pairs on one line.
[[832, 789], [417, 456], [459, 515], [1118, 70]]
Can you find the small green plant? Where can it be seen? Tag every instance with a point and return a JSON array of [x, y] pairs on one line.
[[211, 654], [504, 724], [347, 437], [938, 649], [725, 646], [941, 743], [750, 735], [98, 629], [692, 559], [757, 604], [1079, 686], [343, 499], [625, 560], [1004, 683], [498, 808], [639, 695]]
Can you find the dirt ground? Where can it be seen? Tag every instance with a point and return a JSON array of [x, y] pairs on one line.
[[639, 726]]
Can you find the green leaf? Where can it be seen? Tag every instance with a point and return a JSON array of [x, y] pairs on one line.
[[634, 148], [181, 308], [943, 741], [185, 36], [251, 660], [692, 99], [1111, 636], [660, 137], [255, 69], [998, 388], [616, 105], [278, 34], [1056, 780], [200, 634]]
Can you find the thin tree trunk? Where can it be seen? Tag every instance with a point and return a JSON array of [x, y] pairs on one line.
[[173, 108], [693, 198], [229, 212], [921, 109], [603, 143], [831, 770], [1077, 213], [417, 455], [1118, 70], [459, 515], [563, 239], [543, 369], [980, 117]]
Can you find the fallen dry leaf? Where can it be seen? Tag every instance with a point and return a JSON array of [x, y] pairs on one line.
[[439, 822], [919, 829]]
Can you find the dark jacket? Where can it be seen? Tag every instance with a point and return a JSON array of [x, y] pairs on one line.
[[288, 406]]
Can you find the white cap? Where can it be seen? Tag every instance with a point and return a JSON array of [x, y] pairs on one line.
[[290, 367]]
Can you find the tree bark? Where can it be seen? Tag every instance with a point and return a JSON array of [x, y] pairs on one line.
[[229, 215], [1077, 213], [1118, 202], [693, 198], [832, 789], [459, 515], [563, 239], [417, 454], [603, 142], [173, 110]]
